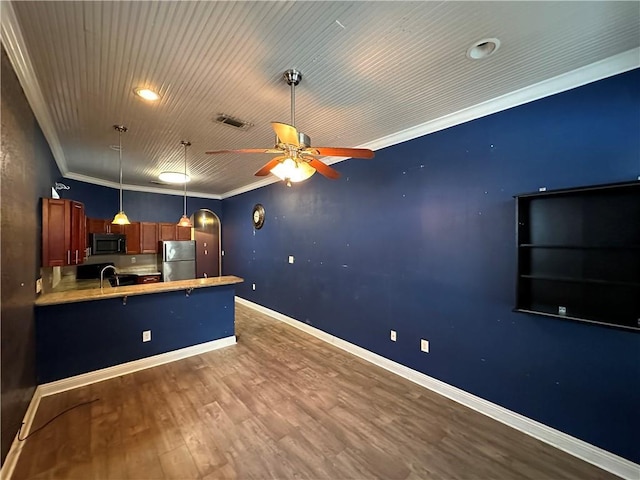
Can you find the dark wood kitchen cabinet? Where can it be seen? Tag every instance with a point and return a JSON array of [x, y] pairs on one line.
[[166, 231], [171, 231], [63, 232], [132, 232], [143, 279], [183, 233], [148, 237], [100, 225]]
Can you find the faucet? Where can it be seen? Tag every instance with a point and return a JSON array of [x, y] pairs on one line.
[[102, 273]]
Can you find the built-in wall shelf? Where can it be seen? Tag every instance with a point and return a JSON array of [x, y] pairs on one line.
[[579, 254]]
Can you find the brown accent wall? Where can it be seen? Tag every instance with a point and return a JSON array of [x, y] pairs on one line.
[[27, 173]]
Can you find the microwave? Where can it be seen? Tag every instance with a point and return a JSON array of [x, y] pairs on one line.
[[108, 243]]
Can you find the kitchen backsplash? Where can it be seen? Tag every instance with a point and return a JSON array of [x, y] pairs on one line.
[[144, 263], [125, 261]]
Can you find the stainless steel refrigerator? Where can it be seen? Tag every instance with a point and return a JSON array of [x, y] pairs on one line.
[[177, 260]]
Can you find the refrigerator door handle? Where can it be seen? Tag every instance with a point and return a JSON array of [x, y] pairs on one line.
[[164, 253]]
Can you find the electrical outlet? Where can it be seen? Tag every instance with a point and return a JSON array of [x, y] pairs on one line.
[[38, 285], [133, 259], [291, 259], [393, 336], [146, 336], [253, 286], [424, 345]]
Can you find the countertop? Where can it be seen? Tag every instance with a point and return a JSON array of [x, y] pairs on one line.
[[90, 294]]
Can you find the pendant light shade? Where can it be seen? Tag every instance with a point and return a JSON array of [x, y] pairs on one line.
[[121, 217], [184, 220]]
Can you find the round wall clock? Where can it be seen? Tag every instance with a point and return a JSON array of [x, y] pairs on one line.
[[258, 216]]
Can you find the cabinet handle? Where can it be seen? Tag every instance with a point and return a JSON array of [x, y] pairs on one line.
[[76, 256], [68, 257]]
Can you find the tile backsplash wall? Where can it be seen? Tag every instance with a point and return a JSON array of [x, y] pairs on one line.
[[144, 263], [126, 262]]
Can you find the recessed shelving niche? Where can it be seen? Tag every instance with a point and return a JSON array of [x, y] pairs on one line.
[[579, 254]]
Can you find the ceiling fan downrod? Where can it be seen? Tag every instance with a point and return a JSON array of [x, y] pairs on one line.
[[293, 77]]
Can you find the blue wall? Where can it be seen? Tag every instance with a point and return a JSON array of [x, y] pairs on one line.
[[421, 240], [74, 338], [103, 202]]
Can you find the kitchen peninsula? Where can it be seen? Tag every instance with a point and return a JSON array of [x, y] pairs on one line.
[[80, 331]]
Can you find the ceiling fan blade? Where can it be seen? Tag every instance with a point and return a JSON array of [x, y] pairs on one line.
[[286, 133], [323, 169], [341, 152], [266, 169], [245, 150]]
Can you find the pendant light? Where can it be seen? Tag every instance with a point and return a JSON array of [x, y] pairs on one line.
[[184, 220], [121, 217]]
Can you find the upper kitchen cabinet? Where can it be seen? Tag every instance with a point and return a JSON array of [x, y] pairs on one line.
[[98, 225], [167, 231], [171, 231], [148, 237], [183, 233], [132, 232], [63, 232]]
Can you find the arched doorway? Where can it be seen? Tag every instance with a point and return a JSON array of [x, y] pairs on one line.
[[206, 233]]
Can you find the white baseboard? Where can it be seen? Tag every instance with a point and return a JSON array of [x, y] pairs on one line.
[[11, 460], [130, 367], [96, 376], [590, 453]]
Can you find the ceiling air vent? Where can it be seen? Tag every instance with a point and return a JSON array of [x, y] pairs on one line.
[[234, 122]]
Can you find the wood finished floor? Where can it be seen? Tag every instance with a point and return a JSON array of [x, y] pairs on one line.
[[279, 404]]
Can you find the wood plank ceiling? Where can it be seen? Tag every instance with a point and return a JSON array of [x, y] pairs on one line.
[[374, 73]]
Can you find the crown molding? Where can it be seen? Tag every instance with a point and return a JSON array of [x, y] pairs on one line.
[[14, 44], [623, 62], [139, 188], [15, 47]]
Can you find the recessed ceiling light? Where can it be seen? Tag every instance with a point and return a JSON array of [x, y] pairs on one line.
[[147, 94], [483, 48], [173, 177]]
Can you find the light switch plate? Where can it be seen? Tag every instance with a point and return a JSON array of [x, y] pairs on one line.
[[146, 336], [291, 259]]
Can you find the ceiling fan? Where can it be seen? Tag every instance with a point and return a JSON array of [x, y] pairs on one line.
[[297, 158]]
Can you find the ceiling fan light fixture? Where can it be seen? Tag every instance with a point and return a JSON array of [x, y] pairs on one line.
[[290, 170], [483, 48], [174, 177], [147, 94]]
